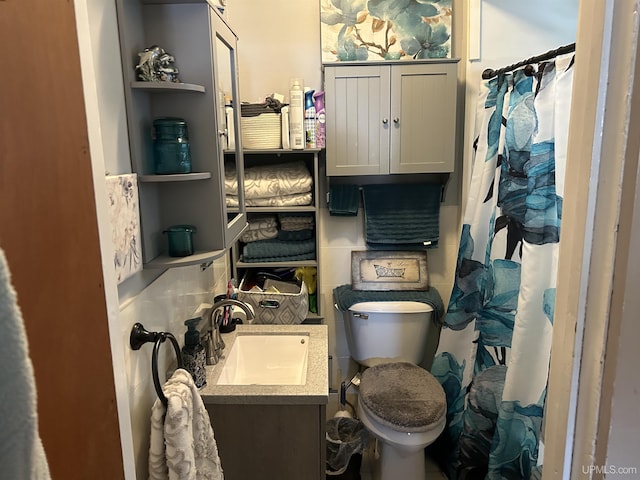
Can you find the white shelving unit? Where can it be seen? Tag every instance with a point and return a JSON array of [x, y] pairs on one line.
[[311, 157]]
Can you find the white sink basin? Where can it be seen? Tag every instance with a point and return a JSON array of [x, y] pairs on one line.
[[266, 359]]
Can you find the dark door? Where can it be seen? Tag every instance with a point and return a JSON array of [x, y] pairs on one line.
[[48, 230]]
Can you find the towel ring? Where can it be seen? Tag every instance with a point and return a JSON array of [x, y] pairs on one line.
[[139, 336]]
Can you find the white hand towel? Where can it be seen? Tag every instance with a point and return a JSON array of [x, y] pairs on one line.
[[183, 446], [21, 451]]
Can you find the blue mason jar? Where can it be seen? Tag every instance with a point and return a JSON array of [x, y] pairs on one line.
[[171, 152]]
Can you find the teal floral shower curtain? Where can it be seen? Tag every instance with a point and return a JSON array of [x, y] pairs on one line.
[[493, 356]]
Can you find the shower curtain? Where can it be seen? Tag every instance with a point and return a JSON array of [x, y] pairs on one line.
[[493, 356]]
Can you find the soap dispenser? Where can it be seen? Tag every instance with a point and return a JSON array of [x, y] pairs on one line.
[[193, 353]]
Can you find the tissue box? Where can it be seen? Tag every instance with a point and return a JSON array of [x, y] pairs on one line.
[[276, 308]]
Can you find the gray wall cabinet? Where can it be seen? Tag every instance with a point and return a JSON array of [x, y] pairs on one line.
[[204, 48], [391, 117]]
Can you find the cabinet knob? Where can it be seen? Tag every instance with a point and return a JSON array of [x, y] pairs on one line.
[[385, 121], [396, 120], [222, 133]]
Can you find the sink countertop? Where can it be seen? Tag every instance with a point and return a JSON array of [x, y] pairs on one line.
[[315, 390]]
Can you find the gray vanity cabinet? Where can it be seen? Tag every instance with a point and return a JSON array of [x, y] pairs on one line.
[[204, 48], [284, 442], [393, 117]]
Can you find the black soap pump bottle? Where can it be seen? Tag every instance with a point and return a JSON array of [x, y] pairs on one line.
[[193, 353]]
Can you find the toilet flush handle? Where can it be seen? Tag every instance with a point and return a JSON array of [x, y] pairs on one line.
[[363, 316]]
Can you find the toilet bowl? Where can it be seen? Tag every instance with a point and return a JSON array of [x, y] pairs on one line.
[[401, 404]]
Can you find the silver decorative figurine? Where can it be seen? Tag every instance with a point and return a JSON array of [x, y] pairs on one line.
[[156, 65]]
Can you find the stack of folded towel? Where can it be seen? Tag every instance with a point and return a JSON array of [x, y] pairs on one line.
[[293, 241], [261, 227], [296, 226], [282, 185], [279, 251]]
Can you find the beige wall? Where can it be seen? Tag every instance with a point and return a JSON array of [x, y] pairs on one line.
[[278, 40], [273, 49]]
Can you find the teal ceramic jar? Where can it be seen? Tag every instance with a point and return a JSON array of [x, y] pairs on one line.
[[171, 151], [180, 240]]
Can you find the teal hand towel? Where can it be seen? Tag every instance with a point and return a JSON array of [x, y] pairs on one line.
[[402, 215], [344, 200]]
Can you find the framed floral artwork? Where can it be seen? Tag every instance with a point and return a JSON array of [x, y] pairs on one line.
[[378, 30], [124, 216]]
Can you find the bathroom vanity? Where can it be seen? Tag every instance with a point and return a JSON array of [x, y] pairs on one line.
[[268, 430]]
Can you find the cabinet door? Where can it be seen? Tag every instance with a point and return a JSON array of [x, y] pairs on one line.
[[423, 118], [225, 71], [357, 119]]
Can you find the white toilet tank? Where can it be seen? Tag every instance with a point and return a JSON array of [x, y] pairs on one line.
[[388, 331]]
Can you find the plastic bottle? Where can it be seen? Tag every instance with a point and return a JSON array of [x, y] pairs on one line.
[[309, 120], [193, 353], [318, 99], [296, 115]]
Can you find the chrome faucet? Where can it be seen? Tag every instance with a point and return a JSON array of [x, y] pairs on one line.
[[211, 337]]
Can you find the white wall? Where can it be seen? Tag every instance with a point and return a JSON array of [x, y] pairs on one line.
[[160, 301], [162, 306], [504, 32], [277, 41]]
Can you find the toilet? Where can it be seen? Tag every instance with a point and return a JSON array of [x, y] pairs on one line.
[[400, 403]]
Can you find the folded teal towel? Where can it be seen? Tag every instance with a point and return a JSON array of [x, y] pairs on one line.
[[296, 235], [286, 258], [258, 251], [344, 200], [402, 215], [345, 297]]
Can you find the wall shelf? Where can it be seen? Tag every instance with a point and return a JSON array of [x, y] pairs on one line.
[[299, 263], [166, 87], [178, 177], [165, 261], [205, 48], [281, 209]]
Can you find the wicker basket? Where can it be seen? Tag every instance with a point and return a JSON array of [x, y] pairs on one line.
[[262, 131]]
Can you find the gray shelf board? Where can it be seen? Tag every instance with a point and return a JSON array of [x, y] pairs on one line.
[[309, 208], [313, 319], [165, 261], [278, 150], [168, 86], [302, 263], [176, 177], [170, 2]]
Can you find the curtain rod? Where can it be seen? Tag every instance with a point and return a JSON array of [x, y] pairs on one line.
[[490, 73]]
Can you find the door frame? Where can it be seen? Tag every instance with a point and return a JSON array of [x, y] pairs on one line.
[[594, 198], [117, 337]]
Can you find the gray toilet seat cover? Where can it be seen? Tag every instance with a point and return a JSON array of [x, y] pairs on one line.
[[403, 396]]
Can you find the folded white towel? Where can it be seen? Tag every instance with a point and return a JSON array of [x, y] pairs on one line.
[[296, 199], [21, 451], [261, 222], [183, 446], [270, 180], [256, 235]]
